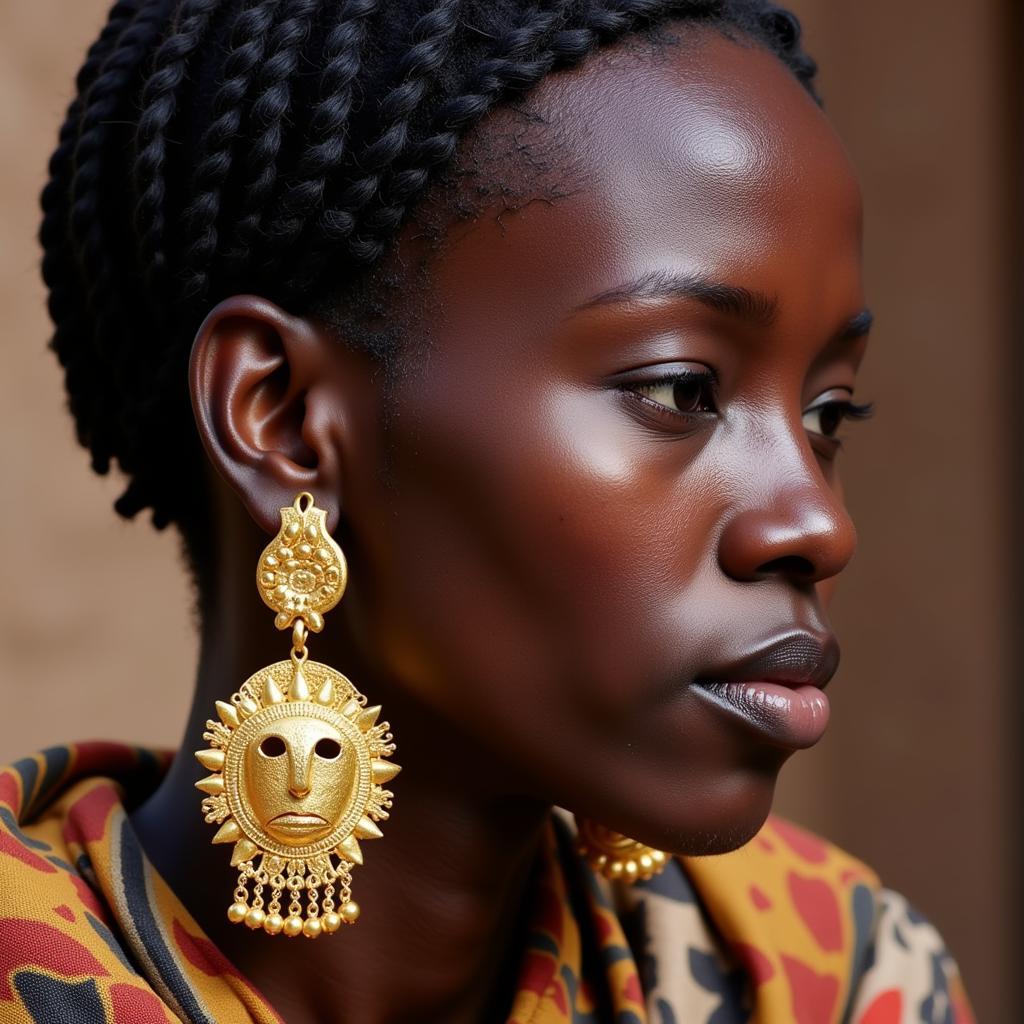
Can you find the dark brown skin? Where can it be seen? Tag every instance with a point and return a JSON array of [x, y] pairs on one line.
[[548, 559]]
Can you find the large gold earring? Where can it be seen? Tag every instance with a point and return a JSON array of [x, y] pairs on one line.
[[297, 759], [615, 856]]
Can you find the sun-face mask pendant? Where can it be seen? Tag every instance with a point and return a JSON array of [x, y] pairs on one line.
[[298, 762]]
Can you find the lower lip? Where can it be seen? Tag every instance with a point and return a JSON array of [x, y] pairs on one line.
[[298, 824], [790, 716]]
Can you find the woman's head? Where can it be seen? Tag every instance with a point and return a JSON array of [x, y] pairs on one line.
[[565, 380]]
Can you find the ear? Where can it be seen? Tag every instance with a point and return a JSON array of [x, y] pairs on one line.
[[268, 393]]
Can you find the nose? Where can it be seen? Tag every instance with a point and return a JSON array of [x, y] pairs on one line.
[[299, 771], [795, 528]]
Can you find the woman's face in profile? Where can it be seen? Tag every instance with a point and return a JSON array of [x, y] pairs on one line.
[[610, 482]]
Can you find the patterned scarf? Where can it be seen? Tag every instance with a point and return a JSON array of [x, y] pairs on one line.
[[787, 929]]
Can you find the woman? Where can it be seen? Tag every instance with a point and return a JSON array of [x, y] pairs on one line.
[[555, 312]]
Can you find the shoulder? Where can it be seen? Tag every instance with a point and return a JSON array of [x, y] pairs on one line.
[[60, 950], [820, 937]]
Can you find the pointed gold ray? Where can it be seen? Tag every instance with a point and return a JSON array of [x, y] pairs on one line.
[[352, 708], [244, 850], [247, 708], [272, 693], [368, 717], [227, 713], [211, 760], [228, 832], [326, 694], [300, 688], [316, 621], [366, 829], [349, 849], [384, 771], [212, 784]]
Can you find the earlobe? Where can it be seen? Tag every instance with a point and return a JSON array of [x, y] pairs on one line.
[[250, 374]]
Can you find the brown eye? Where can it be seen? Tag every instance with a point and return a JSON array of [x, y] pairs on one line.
[[272, 746], [327, 749], [689, 394]]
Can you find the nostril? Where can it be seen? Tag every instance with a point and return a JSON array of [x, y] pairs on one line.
[[793, 566]]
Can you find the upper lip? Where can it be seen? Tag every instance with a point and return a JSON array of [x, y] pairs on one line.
[[797, 659]]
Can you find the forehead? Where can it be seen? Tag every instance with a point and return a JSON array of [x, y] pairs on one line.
[[705, 155]]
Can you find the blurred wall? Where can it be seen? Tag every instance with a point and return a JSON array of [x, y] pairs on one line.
[[915, 773]]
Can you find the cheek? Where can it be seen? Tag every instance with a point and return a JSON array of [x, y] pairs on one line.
[[333, 782], [540, 542], [266, 783]]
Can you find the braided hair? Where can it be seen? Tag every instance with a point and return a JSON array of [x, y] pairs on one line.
[[275, 147]]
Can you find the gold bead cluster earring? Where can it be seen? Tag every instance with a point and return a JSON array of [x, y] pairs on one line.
[[297, 760], [615, 856]]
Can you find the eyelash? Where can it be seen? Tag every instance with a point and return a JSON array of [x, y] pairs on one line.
[[846, 409]]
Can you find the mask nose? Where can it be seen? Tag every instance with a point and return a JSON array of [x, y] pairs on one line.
[[299, 772]]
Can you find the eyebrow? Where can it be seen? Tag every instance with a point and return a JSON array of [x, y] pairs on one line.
[[742, 303]]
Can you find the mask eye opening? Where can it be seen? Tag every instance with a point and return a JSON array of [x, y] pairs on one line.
[[272, 746], [327, 749]]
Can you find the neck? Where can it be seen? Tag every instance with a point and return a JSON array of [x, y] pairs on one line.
[[441, 895]]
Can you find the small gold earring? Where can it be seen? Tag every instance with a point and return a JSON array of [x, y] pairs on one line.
[[615, 856], [297, 760]]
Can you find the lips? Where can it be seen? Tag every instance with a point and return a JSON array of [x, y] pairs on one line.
[[294, 824], [776, 691]]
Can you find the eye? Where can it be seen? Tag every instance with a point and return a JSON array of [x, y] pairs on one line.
[[687, 393], [825, 418], [328, 749], [272, 746]]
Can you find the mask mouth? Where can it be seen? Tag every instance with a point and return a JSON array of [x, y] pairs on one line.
[[294, 825]]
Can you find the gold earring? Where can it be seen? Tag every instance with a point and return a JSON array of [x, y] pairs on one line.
[[615, 856], [297, 759]]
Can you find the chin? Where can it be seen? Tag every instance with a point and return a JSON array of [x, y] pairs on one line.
[[715, 816]]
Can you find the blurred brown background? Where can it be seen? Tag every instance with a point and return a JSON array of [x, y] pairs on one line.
[[917, 774]]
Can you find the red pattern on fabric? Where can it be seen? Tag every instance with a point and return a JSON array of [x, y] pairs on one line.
[[135, 1005], [759, 898], [65, 911], [10, 791], [87, 818], [756, 964], [816, 903], [632, 989], [765, 844], [851, 876], [13, 848], [886, 1008], [803, 844], [202, 953], [538, 976], [25, 943], [89, 898], [813, 995]]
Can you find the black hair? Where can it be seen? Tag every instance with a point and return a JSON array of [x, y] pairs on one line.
[[275, 147]]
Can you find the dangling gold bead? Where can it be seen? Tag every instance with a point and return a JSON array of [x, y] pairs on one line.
[[273, 924], [312, 927], [292, 926], [255, 918], [237, 912], [331, 922], [350, 912]]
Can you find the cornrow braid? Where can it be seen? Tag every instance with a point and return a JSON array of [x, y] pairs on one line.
[[248, 44], [267, 118], [431, 35], [157, 106], [275, 146], [304, 190]]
